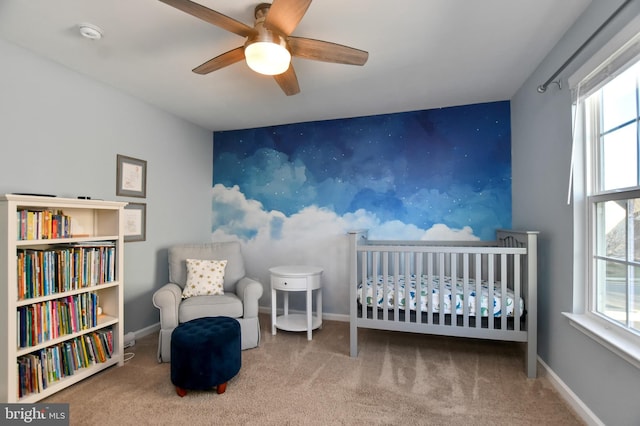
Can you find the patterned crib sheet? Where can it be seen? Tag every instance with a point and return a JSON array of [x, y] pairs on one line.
[[435, 295]]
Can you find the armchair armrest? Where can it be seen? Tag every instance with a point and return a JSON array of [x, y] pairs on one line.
[[249, 291], [167, 298]]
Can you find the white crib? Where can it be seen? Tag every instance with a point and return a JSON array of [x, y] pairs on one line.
[[477, 289]]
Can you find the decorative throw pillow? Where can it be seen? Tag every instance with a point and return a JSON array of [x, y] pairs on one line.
[[204, 278]]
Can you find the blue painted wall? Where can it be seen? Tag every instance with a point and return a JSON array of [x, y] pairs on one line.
[[291, 192]]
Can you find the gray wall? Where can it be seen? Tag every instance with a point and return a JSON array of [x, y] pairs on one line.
[[60, 133], [541, 152]]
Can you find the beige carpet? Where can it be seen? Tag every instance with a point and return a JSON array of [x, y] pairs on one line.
[[398, 378]]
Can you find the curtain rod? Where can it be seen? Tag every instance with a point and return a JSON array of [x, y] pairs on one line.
[[543, 87]]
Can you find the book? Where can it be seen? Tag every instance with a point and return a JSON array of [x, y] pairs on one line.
[[97, 342], [91, 350]]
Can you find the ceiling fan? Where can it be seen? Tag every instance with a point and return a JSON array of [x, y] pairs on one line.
[[270, 45]]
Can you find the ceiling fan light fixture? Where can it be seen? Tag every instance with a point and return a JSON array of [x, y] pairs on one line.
[[269, 45], [267, 57]]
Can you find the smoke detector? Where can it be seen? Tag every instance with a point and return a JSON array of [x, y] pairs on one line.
[[90, 31]]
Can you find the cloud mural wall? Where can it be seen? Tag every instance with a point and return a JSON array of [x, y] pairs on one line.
[[290, 193]]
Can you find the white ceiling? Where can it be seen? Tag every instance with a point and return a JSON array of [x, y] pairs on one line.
[[422, 54]]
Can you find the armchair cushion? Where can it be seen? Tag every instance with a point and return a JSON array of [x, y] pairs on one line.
[[228, 305], [204, 278]]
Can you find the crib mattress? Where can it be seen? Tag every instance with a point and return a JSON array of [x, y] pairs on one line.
[[497, 303]]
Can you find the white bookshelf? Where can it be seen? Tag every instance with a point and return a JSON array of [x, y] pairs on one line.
[[93, 223]]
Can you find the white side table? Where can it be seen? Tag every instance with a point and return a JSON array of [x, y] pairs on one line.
[[296, 278]]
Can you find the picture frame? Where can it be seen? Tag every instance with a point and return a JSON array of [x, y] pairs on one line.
[[131, 177], [135, 222]]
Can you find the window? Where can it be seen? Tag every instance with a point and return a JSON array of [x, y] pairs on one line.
[[606, 196], [613, 200]]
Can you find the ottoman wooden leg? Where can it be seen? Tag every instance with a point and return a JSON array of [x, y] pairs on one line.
[[180, 391], [221, 388]]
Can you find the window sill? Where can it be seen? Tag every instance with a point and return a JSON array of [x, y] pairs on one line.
[[608, 336]]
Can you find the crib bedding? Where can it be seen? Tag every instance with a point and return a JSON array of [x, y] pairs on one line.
[[435, 295]]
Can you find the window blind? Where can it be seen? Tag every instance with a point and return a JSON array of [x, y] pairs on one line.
[[616, 64]]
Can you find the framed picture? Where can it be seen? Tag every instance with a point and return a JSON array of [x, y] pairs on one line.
[[131, 177], [135, 222]]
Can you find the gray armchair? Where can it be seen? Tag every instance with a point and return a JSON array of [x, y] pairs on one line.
[[239, 301]]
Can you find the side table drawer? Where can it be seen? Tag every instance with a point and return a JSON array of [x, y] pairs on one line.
[[289, 283]]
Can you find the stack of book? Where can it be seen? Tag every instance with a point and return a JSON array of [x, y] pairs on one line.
[[38, 370], [42, 272], [43, 224], [43, 321]]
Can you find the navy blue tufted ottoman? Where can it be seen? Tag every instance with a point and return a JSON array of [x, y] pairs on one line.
[[205, 353]]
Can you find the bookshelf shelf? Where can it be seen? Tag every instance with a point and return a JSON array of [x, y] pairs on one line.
[[55, 296], [54, 241], [61, 297]]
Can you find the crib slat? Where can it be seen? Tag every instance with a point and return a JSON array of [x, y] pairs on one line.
[[385, 285], [517, 292], [407, 286], [478, 276], [368, 267], [454, 289], [430, 273], [374, 290], [465, 290], [503, 290], [441, 273], [363, 273], [396, 286], [418, 272], [490, 286]]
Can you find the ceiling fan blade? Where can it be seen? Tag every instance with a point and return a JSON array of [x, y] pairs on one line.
[[326, 51], [285, 15], [212, 17], [221, 61], [288, 81]]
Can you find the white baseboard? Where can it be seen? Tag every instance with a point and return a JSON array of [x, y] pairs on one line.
[[571, 398], [153, 328]]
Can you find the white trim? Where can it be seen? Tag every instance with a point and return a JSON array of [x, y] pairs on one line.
[[153, 328], [610, 59], [617, 341], [570, 397]]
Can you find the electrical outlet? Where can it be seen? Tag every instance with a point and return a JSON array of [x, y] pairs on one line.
[[129, 340]]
